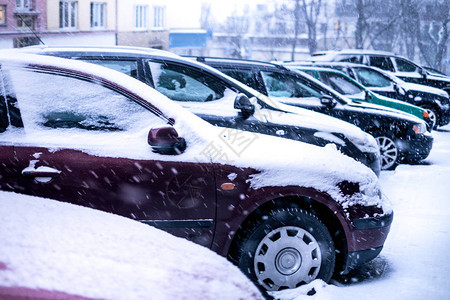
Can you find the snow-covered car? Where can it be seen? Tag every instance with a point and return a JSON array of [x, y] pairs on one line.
[[55, 250], [212, 96], [401, 137], [352, 89], [435, 101], [284, 211], [388, 61]]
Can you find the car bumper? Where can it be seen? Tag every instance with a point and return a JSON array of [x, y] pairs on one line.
[[416, 148], [369, 236], [445, 116]]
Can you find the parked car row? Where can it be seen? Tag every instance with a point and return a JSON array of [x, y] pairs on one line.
[[401, 137], [435, 101], [399, 66], [262, 187]]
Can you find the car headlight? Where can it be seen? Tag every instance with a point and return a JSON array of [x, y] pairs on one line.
[[419, 128]]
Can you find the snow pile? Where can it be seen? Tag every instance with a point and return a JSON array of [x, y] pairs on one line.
[[53, 247]]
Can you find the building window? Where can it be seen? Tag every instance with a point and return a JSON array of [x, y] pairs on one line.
[[2, 14], [141, 17], [25, 23], [159, 16], [23, 4], [68, 14], [98, 12]]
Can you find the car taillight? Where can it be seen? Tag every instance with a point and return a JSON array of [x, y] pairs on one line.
[[425, 114]]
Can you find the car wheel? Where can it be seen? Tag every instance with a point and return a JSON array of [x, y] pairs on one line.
[[434, 116], [388, 152], [285, 249]]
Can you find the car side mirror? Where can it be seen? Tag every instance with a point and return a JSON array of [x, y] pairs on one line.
[[328, 101], [165, 140], [368, 96], [243, 103]]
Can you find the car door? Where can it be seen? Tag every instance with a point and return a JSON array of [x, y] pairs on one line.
[[85, 142], [202, 93]]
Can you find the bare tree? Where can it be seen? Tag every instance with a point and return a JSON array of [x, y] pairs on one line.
[[311, 12], [435, 33], [296, 27]]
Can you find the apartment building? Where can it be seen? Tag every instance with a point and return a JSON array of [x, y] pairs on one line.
[[144, 23]]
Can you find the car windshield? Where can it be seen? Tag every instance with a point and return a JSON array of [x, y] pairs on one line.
[[340, 83], [372, 78]]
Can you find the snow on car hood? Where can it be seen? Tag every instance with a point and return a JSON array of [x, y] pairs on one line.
[[296, 163], [424, 88], [68, 251]]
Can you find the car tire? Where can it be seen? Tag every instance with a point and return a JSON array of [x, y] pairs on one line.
[[285, 249], [433, 113], [389, 152]]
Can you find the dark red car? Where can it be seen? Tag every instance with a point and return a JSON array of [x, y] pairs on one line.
[[285, 212]]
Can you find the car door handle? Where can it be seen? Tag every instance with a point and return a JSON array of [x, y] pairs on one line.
[[41, 172]]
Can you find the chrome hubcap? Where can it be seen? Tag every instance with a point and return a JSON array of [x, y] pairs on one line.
[[288, 261], [287, 257], [432, 117], [388, 152]]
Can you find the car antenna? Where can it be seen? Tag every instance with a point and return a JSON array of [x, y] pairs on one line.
[[31, 29]]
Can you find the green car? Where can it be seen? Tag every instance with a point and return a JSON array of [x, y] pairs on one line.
[[357, 92]]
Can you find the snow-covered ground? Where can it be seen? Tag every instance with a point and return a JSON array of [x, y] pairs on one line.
[[415, 262]]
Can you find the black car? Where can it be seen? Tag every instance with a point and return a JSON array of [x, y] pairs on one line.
[[435, 101], [394, 64], [401, 137], [225, 102]]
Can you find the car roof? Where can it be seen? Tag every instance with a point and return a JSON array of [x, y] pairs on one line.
[[317, 68], [353, 51], [237, 62], [94, 49]]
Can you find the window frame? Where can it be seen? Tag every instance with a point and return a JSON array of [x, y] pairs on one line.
[[24, 4], [141, 17], [2, 14], [159, 16], [71, 14], [98, 15]]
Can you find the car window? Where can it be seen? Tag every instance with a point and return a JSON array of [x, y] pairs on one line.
[[371, 78], [86, 107], [4, 120], [352, 58], [287, 86], [128, 67], [382, 62], [405, 66], [244, 76], [340, 83], [309, 72], [180, 83]]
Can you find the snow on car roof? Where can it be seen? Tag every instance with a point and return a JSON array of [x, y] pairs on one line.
[[57, 247]]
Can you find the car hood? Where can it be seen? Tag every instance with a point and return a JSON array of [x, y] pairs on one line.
[[275, 112], [424, 88], [295, 163], [384, 111]]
